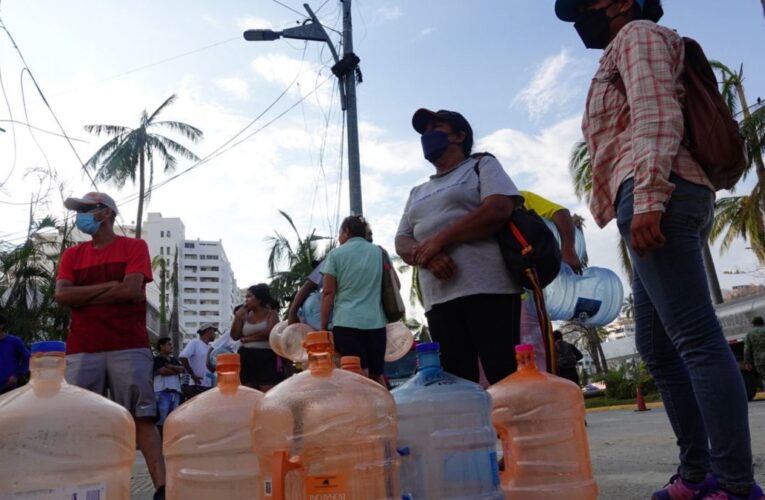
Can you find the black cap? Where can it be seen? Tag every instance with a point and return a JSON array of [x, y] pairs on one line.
[[458, 122]]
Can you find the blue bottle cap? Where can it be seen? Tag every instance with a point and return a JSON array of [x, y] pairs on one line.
[[428, 347], [49, 346]]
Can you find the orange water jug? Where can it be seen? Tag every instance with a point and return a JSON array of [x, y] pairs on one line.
[[208, 444], [352, 364], [61, 441], [326, 433], [540, 419]]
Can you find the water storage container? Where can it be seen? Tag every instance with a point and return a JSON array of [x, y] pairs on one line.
[[399, 340], [207, 441], [594, 298], [579, 244], [446, 440], [540, 420], [287, 341], [326, 433], [352, 364], [61, 441]]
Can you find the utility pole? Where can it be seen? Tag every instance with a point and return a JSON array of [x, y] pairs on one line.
[[346, 70]]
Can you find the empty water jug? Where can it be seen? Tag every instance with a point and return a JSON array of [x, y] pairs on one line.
[[579, 244], [594, 298], [446, 438], [287, 341], [540, 419], [326, 433], [61, 441], [398, 341], [208, 444]]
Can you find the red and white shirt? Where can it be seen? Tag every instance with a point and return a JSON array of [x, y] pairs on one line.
[[106, 327], [638, 135]]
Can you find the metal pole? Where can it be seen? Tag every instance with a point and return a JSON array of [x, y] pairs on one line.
[[354, 163]]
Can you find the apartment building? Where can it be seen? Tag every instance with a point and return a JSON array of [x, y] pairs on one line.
[[207, 289]]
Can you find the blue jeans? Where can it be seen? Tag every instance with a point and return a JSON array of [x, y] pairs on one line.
[[167, 401], [681, 341]]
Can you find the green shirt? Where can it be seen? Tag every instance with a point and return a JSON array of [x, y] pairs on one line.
[[754, 347], [357, 267]]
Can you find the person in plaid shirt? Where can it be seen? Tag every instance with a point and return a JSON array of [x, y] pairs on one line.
[[663, 203]]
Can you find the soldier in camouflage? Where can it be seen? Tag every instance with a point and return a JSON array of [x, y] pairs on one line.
[[754, 347]]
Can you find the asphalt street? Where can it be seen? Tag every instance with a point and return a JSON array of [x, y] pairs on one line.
[[633, 453]]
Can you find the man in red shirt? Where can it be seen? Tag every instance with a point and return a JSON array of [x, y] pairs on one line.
[[104, 283]]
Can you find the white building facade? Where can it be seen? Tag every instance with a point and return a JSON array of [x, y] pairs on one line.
[[207, 289]]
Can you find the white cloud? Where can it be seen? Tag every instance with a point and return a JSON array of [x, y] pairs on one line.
[[254, 22], [556, 80], [428, 31], [390, 13], [236, 87], [283, 70]]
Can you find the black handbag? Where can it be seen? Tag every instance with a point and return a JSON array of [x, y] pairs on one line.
[[528, 247]]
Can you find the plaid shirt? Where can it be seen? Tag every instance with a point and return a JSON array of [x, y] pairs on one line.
[[636, 130]]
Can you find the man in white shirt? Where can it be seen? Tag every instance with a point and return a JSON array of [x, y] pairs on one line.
[[194, 359]]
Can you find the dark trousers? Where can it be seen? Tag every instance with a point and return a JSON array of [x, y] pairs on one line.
[[485, 326], [570, 374]]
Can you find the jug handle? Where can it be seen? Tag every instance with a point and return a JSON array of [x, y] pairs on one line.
[[282, 464]]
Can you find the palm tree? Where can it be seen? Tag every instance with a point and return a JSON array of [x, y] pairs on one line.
[[159, 262], [742, 216], [289, 265], [628, 308], [131, 149], [175, 327], [589, 337]]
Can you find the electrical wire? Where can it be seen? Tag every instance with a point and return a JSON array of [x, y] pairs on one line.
[[13, 131], [44, 131]]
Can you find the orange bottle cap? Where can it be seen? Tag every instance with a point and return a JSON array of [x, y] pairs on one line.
[[350, 362], [317, 339], [228, 360]]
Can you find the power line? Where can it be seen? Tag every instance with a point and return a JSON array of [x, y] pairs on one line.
[[44, 131]]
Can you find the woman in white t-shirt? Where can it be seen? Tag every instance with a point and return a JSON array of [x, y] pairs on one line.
[[252, 326]]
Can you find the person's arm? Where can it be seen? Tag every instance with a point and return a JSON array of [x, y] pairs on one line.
[[23, 366], [565, 224], [162, 367], [300, 297], [577, 353], [238, 323], [273, 319], [645, 63], [405, 248], [479, 224], [327, 299], [208, 361], [68, 294], [748, 357], [190, 371]]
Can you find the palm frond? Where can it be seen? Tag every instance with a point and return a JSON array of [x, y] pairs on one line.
[[110, 130], [580, 165], [174, 147], [292, 224], [189, 132], [161, 107], [103, 152], [156, 145]]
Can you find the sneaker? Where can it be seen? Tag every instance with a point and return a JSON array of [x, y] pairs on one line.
[[679, 489], [719, 494]]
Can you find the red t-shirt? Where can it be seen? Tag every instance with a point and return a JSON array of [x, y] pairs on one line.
[[106, 327]]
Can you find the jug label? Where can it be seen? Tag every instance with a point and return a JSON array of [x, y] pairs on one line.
[[586, 308], [92, 491], [267, 487], [327, 487], [472, 467]]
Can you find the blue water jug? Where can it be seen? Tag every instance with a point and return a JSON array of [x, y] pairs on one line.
[[594, 298], [445, 436], [579, 245]]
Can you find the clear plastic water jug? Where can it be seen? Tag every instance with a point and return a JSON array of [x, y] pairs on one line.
[[594, 298], [540, 419], [352, 364], [208, 444], [446, 439], [61, 441], [399, 340], [579, 244], [326, 433], [287, 341]]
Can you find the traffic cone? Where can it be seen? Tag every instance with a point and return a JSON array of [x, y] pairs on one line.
[[640, 400]]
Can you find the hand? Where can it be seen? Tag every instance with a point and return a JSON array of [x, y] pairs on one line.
[[426, 250], [442, 266], [569, 256], [12, 381], [645, 232], [241, 314], [197, 380], [748, 367]]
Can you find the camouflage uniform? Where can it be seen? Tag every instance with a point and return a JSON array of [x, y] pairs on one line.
[[754, 349]]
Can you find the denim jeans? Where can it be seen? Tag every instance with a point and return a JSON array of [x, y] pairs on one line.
[[681, 341], [167, 401]]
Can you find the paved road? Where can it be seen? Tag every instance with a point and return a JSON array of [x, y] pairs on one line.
[[632, 453]]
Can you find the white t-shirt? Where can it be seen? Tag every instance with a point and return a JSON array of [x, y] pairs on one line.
[[196, 352]]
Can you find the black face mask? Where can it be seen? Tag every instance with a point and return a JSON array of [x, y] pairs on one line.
[[594, 27]]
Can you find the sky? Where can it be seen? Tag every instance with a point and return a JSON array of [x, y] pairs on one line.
[[518, 75]]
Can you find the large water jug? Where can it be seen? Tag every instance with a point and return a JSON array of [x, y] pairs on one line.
[[61, 441], [540, 419], [287, 341], [326, 433], [594, 298], [446, 440], [579, 244], [207, 441], [310, 312], [398, 341]]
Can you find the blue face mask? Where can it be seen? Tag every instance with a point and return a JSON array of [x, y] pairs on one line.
[[87, 223], [434, 144]]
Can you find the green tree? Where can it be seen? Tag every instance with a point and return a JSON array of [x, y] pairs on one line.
[[159, 262], [742, 215], [590, 338], [131, 149], [289, 263]]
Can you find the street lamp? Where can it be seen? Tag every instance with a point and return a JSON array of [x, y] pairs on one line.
[[345, 70]]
